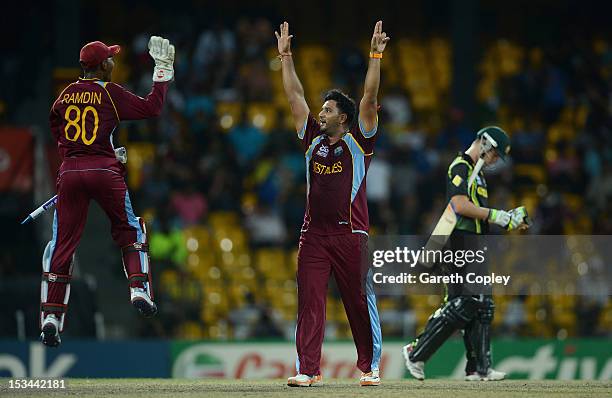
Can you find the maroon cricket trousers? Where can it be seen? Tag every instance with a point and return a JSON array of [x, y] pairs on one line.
[[345, 257], [81, 179]]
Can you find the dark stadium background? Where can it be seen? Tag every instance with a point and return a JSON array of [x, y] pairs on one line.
[[219, 176]]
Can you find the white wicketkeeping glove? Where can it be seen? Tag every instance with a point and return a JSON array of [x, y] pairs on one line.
[[162, 53], [121, 154]]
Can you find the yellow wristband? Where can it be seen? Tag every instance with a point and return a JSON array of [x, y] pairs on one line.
[[375, 55]]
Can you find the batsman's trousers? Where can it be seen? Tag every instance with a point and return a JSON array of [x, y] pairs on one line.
[[80, 180], [346, 257]]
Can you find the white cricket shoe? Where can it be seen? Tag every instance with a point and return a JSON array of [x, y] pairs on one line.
[[302, 380], [370, 379], [142, 302], [50, 331], [492, 375], [416, 369]]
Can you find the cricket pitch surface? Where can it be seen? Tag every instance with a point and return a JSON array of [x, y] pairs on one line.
[[117, 388]]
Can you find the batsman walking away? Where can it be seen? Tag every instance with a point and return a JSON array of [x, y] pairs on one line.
[[83, 120], [461, 310]]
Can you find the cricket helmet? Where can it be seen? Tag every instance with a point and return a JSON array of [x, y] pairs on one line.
[[498, 138]]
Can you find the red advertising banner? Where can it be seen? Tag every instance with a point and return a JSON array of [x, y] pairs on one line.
[[16, 159]]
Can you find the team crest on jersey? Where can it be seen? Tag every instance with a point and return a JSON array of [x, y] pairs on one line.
[[323, 151], [480, 181], [338, 151]]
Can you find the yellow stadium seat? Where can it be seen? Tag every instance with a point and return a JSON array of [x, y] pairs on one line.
[[560, 131], [237, 295], [424, 99], [140, 154], [216, 332], [246, 277], [208, 314], [288, 298], [222, 218], [170, 283], [199, 264], [580, 116], [385, 304], [268, 261], [289, 314], [535, 173], [272, 52], [230, 238], [197, 238], [315, 55], [334, 310], [440, 49], [530, 200], [211, 276], [190, 331], [574, 202], [510, 56], [168, 276], [262, 115], [605, 319], [228, 114]]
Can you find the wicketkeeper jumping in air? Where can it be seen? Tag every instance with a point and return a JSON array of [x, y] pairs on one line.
[[334, 236], [83, 119], [460, 310]]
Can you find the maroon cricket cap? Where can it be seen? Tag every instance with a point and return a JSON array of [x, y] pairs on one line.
[[92, 54]]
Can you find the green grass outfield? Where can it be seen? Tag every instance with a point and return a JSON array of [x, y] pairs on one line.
[[333, 388]]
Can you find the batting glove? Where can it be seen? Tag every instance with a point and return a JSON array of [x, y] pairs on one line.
[[162, 53], [518, 218], [499, 217]]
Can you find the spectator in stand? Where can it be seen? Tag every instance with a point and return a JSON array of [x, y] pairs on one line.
[[396, 107], [456, 134], [214, 55], [265, 226], [378, 182], [167, 243], [256, 320], [564, 169], [514, 318], [254, 81], [528, 143], [247, 140], [190, 204]]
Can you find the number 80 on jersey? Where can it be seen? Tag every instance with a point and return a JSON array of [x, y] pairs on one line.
[[79, 128]]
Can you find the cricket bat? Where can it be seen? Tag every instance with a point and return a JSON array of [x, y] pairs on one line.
[[446, 223], [120, 154], [49, 204]]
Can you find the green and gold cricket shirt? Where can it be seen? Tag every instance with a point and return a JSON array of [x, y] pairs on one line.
[[458, 174]]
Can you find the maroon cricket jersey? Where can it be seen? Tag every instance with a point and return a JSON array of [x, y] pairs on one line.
[[336, 200], [85, 115]]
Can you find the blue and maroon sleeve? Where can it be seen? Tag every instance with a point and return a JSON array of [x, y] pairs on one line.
[[365, 139], [309, 131], [132, 107]]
